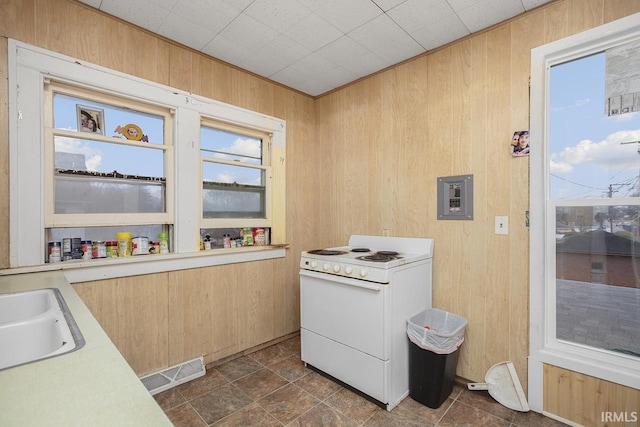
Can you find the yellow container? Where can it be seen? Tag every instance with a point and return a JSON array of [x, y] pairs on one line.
[[124, 243]]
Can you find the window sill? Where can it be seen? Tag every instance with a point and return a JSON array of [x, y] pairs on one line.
[[98, 269]]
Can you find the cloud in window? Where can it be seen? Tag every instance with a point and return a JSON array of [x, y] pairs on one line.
[[246, 147], [92, 157], [607, 154]]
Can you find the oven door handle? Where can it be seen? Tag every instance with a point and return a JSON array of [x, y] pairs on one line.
[[342, 280]]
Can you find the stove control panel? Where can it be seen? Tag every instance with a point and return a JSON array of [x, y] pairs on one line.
[[347, 270]]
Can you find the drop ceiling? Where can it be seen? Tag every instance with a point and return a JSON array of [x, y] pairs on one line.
[[314, 46]]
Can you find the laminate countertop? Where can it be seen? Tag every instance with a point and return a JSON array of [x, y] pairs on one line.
[[92, 386]]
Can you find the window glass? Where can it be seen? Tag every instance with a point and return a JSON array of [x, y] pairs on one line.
[[594, 156], [71, 113], [233, 174], [98, 176], [591, 154]]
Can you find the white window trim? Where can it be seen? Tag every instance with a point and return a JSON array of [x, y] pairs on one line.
[[543, 347], [29, 66]]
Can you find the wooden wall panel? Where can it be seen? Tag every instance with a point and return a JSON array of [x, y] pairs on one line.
[[363, 159], [587, 400], [133, 311]]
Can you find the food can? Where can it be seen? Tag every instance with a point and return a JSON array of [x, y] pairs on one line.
[[124, 244], [140, 246], [87, 249], [55, 252], [99, 249], [259, 237], [154, 247], [76, 248], [111, 247], [66, 248], [164, 242]]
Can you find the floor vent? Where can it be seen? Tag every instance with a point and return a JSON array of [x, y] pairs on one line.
[[174, 376]]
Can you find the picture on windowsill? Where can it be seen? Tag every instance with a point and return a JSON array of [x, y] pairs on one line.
[[520, 143], [90, 119]]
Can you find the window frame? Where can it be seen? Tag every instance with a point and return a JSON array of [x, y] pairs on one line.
[[544, 348], [29, 68], [266, 166], [53, 220]]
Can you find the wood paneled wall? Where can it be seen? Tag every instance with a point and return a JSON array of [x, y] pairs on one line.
[[451, 112], [362, 159], [126, 307]]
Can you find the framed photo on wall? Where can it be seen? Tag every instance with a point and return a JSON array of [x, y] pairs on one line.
[[90, 119]]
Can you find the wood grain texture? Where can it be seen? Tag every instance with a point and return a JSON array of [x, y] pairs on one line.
[[586, 400], [362, 159]]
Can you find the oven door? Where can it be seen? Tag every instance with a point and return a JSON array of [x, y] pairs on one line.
[[348, 311]]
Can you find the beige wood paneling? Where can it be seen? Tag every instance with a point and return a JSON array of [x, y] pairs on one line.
[[133, 311], [362, 159], [586, 400], [202, 314]]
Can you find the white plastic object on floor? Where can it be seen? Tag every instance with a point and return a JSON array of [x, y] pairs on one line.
[[504, 386]]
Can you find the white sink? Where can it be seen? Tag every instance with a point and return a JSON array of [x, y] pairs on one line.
[[35, 325]]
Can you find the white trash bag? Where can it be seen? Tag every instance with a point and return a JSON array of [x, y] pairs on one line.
[[437, 330]]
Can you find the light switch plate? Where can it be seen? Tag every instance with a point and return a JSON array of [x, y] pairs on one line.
[[502, 225]]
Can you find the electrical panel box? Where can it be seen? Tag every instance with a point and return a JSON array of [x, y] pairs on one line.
[[455, 197]]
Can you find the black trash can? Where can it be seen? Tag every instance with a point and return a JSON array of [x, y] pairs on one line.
[[435, 337]]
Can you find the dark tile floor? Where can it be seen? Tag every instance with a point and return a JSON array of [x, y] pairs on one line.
[[272, 387]]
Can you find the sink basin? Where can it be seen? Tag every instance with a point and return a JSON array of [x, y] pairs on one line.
[[35, 325]]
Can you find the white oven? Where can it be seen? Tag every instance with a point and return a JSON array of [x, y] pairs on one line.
[[354, 304]]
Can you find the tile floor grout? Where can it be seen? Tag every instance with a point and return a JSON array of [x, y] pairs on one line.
[[273, 387]]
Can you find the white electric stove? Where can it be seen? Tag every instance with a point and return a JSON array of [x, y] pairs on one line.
[[355, 301]]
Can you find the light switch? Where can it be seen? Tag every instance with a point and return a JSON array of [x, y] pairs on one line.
[[502, 225]]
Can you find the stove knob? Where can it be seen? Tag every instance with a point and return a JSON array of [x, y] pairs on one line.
[[364, 272], [325, 267], [336, 268], [314, 264], [348, 269]]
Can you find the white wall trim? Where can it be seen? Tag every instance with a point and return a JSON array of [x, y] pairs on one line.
[[543, 348]]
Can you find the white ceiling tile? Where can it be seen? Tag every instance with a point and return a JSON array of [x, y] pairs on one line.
[[313, 32], [325, 70], [261, 62], [239, 4], [386, 5], [384, 38], [532, 4], [348, 15], [486, 13], [248, 33], [353, 56], [304, 81], [415, 14], [313, 4], [446, 30], [213, 14], [139, 12], [227, 49], [329, 43], [280, 15], [458, 5], [177, 28], [92, 3]]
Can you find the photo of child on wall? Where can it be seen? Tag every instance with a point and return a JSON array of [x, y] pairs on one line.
[[90, 119], [520, 143]]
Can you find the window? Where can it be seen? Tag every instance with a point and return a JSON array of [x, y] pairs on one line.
[[94, 152], [585, 210], [106, 164], [235, 172]]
